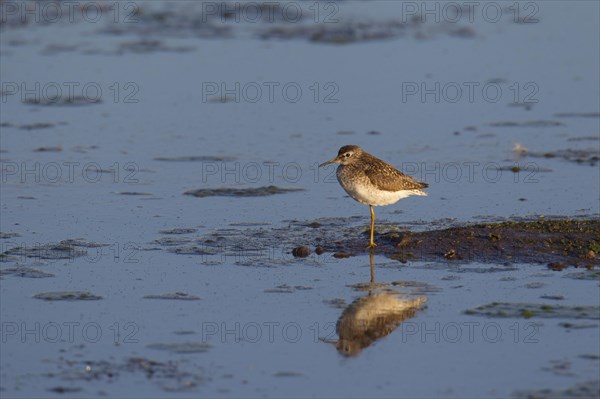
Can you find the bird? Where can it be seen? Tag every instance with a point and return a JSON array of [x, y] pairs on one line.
[[371, 181]]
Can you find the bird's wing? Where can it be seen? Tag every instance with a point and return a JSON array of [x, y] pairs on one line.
[[388, 178]]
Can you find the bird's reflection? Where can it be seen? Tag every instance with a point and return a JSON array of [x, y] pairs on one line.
[[373, 316]]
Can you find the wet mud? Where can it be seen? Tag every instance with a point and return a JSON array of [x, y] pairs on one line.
[[543, 241]]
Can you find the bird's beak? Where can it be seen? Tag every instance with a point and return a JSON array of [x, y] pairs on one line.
[[334, 160]]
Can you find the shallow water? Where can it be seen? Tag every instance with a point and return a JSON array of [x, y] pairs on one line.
[[119, 167]]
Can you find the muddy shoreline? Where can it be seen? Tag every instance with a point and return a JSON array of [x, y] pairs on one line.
[[564, 242]]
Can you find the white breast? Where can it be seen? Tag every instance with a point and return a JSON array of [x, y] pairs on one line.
[[367, 194]]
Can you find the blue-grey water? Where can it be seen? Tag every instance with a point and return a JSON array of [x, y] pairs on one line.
[[434, 97]]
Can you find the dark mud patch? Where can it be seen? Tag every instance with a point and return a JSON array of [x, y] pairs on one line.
[[144, 46], [542, 241], [134, 193], [527, 106], [280, 374], [336, 303], [536, 123], [79, 242], [67, 296], [174, 241], [179, 230], [535, 284], [181, 296], [583, 390], [528, 167], [584, 138], [174, 22], [529, 310], [590, 156], [273, 23], [577, 115], [553, 297], [240, 192], [590, 356], [27, 272], [62, 390], [588, 275], [47, 251], [8, 258], [287, 289], [181, 347], [193, 250], [56, 148], [168, 375], [6, 235], [196, 158], [69, 101], [37, 126], [348, 33], [577, 326]]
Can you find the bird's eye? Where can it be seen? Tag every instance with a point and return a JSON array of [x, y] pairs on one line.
[[347, 155]]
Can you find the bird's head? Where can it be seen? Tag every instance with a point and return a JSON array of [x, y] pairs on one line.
[[347, 155]]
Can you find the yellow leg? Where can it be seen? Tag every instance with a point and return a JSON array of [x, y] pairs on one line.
[[372, 243]]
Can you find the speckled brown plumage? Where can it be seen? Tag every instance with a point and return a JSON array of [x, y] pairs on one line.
[[383, 175]]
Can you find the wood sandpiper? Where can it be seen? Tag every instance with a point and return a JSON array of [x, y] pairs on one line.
[[371, 181]]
